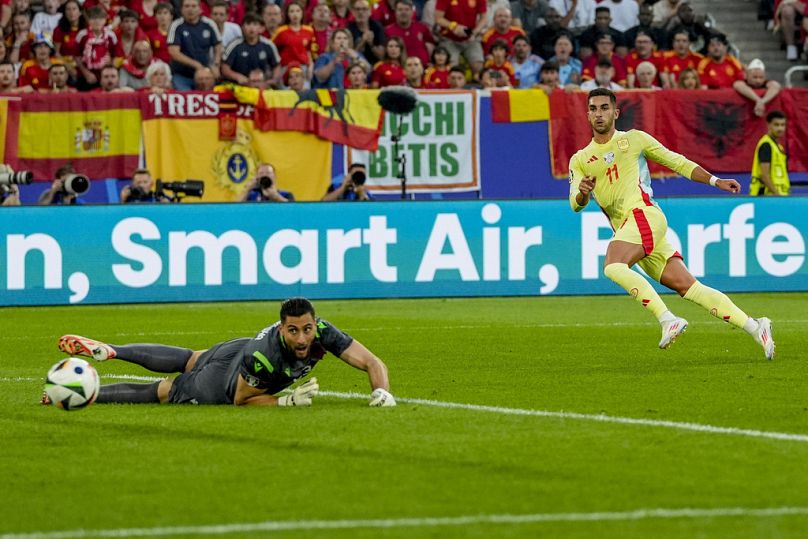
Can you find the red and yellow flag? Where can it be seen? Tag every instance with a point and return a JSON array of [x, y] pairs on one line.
[[98, 133], [350, 117], [519, 106], [181, 140]]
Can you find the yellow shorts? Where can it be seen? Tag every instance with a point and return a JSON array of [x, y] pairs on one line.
[[647, 226]]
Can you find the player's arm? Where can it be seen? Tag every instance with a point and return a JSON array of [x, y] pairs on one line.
[[682, 165], [359, 357], [254, 396], [581, 186]]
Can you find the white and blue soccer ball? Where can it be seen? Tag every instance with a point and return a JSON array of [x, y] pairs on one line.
[[72, 384]]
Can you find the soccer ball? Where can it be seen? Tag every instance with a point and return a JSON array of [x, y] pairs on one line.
[[72, 384]]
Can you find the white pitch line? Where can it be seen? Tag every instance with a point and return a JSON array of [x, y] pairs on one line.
[[601, 418], [425, 522]]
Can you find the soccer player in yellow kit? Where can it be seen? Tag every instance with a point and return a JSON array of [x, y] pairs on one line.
[[613, 169]]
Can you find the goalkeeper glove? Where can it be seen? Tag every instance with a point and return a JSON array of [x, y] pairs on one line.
[[301, 395], [382, 397]]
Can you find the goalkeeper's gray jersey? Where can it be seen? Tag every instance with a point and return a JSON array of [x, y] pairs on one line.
[[267, 363]]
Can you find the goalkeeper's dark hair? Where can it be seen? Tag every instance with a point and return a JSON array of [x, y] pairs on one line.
[[296, 307], [603, 92]]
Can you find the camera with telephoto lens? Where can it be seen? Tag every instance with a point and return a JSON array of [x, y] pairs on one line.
[[22, 177], [76, 184], [190, 188], [265, 182], [358, 177]]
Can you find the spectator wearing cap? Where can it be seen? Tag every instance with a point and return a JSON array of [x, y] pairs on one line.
[[45, 21], [250, 52], [528, 14], [719, 69], [461, 23], [99, 47], [756, 82], [58, 78], [417, 37], [503, 29], [603, 25], [295, 77], [229, 31], [604, 73], [680, 58], [604, 50], [646, 17], [129, 31], [569, 67], [644, 52], [543, 38], [330, 70], [164, 15], [368, 34], [526, 65], [390, 71], [133, 69], [194, 43], [34, 72]]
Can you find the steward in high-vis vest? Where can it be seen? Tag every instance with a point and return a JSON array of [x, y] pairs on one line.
[[770, 166]]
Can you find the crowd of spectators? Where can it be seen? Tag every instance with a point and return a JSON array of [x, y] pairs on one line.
[[178, 45]]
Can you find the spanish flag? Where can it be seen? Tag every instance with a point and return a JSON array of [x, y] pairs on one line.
[[350, 117], [519, 106]]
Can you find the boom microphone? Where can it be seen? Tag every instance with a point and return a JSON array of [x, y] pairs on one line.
[[398, 99]]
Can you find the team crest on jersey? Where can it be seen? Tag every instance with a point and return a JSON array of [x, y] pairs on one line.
[[234, 162], [622, 145], [609, 158]]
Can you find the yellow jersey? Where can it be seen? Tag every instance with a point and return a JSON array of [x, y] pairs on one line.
[[620, 166]]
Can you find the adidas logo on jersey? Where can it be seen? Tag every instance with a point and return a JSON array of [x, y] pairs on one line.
[[592, 159]]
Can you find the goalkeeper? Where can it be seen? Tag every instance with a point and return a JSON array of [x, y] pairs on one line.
[[240, 371]]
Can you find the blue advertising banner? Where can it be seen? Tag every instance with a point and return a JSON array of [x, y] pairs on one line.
[[208, 252]]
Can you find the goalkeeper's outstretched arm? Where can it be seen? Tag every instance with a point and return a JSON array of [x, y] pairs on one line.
[[358, 356]]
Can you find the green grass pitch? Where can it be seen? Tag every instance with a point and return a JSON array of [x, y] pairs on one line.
[[341, 469]]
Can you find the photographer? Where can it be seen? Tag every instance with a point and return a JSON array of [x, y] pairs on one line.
[[141, 189], [262, 188], [9, 188], [60, 193], [352, 186], [9, 195]]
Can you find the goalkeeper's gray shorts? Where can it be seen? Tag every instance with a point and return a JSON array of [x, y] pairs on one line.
[[208, 381]]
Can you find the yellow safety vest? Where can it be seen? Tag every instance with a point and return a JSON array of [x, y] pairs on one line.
[[778, 171]]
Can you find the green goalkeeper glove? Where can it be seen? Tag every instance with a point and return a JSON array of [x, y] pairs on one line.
[[382, 397], [301, 395]]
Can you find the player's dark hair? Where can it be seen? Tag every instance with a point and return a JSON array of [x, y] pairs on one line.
[[296, 307], [603, 92], [775, 115]]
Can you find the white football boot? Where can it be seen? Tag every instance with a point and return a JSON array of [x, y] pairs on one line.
[[76, 345], [671, 330], [764, 337]]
